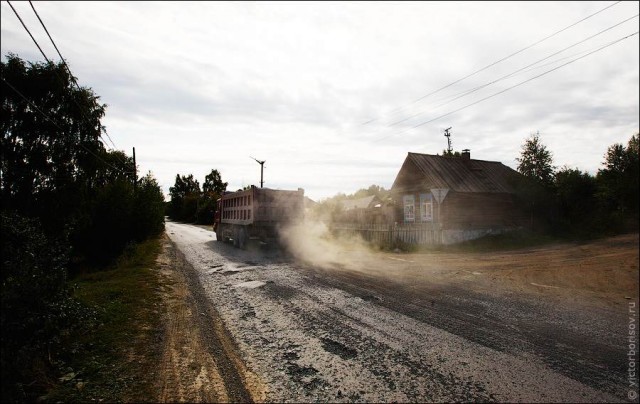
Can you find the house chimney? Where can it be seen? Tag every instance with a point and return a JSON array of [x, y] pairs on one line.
[[466, 154]]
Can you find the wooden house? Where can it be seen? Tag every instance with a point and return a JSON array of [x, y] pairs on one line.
[[462, 197]]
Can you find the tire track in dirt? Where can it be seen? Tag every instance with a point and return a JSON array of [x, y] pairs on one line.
[[199, 361]]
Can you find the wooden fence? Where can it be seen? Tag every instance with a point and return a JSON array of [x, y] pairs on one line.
[[389, 235]]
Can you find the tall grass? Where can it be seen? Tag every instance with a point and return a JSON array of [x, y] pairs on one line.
[[114, 358]]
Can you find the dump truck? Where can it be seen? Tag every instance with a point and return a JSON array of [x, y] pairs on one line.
[[256, 214]]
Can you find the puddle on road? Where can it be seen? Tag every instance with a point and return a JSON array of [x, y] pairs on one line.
[[214, 269], [250, 284], [339, 349], [229, 268], [280, 291], [371, 298]]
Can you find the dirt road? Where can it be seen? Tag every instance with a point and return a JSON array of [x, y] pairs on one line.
[[200, 361], [374, 327]]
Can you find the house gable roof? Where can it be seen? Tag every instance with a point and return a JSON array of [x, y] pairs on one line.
[[455, 173], [361, 203]]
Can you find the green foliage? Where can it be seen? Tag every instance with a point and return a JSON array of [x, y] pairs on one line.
[[536, 161], [537, 201], [188, 204], [148, 208], [56, 169], [189, 208], [206, 210], [375, 190], [606, 204], [447, 153], [212, 189], [121, 214], [213, 184], [111, 226], [576, 197], [184, 198], [618, 180], [331, 209], [37, 308], [125, 300], [45, 165], [64, 199]]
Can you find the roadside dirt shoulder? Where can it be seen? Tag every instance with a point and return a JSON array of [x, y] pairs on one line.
[[200, 362], [603, 272]]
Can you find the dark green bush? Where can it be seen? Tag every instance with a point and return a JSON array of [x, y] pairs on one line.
[[37, 307]]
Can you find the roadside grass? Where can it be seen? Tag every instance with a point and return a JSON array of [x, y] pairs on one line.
[[115, 358]]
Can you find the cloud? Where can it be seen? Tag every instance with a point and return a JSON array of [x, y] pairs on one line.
[[201, 85]]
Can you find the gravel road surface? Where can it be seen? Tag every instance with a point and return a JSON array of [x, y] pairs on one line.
[[344, 333]]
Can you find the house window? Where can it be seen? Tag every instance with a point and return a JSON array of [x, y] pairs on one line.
[[409, 208], [426, 207]]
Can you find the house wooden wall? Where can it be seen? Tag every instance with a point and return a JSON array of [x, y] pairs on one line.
[[481, 210], [466, 210]]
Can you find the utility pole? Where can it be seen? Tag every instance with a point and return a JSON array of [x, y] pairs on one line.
[[261, 169], [135, 171], [448, 136]]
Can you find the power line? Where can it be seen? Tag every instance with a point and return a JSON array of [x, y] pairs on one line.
[[73, 79], [512, 87], [495, 63], [525, 81], [49, 61], [473, 90], [29, 32], [54, 44]]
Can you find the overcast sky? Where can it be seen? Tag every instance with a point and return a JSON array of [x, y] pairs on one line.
[[331, 94]]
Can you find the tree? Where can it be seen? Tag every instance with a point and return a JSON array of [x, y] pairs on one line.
[[536, 161], [618, 180], [448, 153], [373, 190], [148, 208], [575, 191], [50, 141], [64, 198], [212, 188], [184, 198], [213, 183], [111, 224]]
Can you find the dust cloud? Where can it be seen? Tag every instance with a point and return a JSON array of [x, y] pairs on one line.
[[313, 243]]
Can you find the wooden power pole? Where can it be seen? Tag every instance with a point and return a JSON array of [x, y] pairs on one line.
[[135, 171]]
